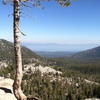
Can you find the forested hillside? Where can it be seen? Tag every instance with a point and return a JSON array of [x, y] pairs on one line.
[[77, 79], [88, 54], [7, 51]]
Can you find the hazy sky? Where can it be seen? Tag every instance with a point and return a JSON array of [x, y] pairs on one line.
[[76, 24]]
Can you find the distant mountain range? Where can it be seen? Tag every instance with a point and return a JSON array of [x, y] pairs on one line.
[[93, 53], [7, 51], [54, 54], [51, 47]]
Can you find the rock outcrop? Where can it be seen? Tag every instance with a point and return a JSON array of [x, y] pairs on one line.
[[6, 91], [3, 64], [40, 68]]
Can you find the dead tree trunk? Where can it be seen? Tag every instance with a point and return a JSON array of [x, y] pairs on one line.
[[17, 48]]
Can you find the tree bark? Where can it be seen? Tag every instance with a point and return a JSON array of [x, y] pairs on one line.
[[17, 48]]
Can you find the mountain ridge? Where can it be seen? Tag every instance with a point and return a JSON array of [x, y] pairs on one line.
[[93, 53], [7, 51]]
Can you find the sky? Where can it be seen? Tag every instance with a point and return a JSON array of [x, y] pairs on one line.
[[77, 24]]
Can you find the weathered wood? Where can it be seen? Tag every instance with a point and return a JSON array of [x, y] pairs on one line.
[[32, 98], [17, 48]]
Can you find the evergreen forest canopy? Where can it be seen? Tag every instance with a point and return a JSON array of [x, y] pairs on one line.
[[71, 85], [74, 82]]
